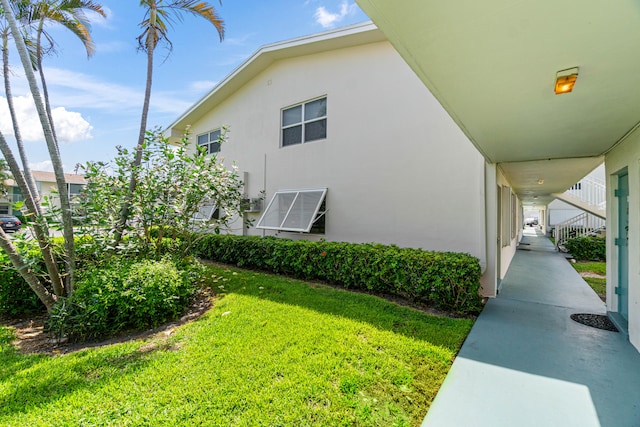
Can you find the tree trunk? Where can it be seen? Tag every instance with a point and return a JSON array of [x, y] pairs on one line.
[[23, 269], [43, 82], [40, 228], [51, 146], [126, 207], [33, 189]]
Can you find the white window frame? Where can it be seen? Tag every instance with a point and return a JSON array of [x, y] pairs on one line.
[[282, 227], [302, 122], [209, 142]]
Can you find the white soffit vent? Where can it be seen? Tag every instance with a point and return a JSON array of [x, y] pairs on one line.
[[292, 210]]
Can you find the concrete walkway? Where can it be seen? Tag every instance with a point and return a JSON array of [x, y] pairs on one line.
[[526, 363]]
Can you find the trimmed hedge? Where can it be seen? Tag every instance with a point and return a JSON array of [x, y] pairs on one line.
[[447, 280], [587, 248]]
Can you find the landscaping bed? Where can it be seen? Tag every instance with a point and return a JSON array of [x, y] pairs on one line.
[[271, 351]]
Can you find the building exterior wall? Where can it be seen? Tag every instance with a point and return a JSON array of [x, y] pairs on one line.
[[397, 168], [625, 155], [559, 211]]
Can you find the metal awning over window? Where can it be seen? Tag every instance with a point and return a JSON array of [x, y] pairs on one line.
[[293, 210], [206, 212]]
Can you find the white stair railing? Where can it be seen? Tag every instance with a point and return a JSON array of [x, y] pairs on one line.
[[585, 224], [592, 191]]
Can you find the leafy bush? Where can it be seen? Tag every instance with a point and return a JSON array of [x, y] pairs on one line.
[[587, 248], [125, 294], [16, 297], [446, 280]]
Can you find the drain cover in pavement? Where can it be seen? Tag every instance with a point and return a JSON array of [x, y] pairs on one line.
[[595, 321]]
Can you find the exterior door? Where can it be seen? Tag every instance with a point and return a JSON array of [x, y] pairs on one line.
[[622, 243]]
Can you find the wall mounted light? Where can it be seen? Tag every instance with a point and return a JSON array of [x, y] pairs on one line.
[[565, 80], [541, 181]]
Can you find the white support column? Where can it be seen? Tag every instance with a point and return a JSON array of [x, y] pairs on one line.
[[489, 279]]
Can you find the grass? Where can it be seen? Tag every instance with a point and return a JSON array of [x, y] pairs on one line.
[[592, 267], [598, 284], [272, 352]]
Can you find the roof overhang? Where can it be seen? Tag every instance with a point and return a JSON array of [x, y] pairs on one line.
[[493, 64]]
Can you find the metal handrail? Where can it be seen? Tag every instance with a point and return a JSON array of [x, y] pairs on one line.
[[585, 224], [591, 191]]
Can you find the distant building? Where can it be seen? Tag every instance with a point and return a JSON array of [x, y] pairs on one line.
[[46, 185]]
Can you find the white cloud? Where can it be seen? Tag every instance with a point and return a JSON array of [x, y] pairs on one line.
[[85, 91], [100, 21], [46, 166], [239, 41], [70, 125], [202, 85], [328, 19]]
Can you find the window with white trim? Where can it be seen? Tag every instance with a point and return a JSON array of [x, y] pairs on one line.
[[4, 209], [304, 122], [293, 210], [210, 141]]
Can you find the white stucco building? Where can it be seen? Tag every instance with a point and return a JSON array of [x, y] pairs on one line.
[[341, 114], [496, 67]]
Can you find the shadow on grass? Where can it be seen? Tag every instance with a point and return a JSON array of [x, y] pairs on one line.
[[440, 331], [31, 380]]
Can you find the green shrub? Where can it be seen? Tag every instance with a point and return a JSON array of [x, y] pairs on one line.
[[16, 297], [446, 280], [587, 248], [125, 294]]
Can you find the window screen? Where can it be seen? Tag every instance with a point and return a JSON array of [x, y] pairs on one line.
[[207, 212], [292, 210]]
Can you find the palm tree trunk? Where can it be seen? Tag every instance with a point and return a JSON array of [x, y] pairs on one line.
[[43, 82], [39, 227], [25, 271], [126, 208], [33, 189], [51, 146]]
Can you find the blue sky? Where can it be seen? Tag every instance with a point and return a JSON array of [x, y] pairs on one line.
[[97, 101]]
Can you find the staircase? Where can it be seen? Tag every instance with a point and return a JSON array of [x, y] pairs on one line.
[[585, 224], [589, 195]]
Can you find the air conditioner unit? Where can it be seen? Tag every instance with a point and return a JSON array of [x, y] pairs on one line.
[[251, 205]]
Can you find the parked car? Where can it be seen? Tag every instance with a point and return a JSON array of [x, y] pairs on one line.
[[10, 223]]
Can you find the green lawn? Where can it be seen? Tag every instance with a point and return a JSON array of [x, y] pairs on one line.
[[598, 284], [272, 352]]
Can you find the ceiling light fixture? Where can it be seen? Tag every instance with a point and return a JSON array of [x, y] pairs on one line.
[[565, 80]]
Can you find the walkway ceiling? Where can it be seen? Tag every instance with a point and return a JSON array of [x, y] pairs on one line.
[[492, 64]]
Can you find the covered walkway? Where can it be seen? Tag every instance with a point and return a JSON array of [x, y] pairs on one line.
[[526, 363]]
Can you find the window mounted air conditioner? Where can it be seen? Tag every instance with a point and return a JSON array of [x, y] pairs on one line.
[[251, 205]]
